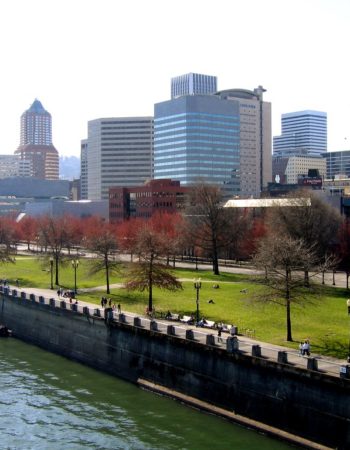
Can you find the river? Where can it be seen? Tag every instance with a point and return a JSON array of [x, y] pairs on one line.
[[48, 402]]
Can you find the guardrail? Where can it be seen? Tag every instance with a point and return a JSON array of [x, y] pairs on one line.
[[229, 343]]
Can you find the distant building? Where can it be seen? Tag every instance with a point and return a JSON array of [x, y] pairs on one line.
[[36, 143], [288, 169], [303, 133], [33, 188], [57, 207], [193, 84], [338, 164], [14, 166], [254, 137], [117, 152], [196, 137], [143, 201], [83, 169]]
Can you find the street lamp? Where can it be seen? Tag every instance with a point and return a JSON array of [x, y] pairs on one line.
[[51, 271], [75, 264], [197, 285]]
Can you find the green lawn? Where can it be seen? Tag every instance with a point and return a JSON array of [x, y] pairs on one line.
[[324, 320]]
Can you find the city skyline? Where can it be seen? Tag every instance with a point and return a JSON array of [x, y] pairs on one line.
[[117, 60]]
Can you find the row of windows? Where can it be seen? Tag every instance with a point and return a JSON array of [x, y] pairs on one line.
[[189, 135], [195, 114], [123, 133], [136, 127], [234, 121], [126, 138], [202, 148], [174, 130], [159, 146], [133, 122]]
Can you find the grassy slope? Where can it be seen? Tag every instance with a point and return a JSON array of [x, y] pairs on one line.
[[324, 320]]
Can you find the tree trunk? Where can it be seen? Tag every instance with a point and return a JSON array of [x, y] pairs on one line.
[[56, 270], [347, 280], [107, 274], [306, 278], [215, 258], [288, 318], [150, 286]]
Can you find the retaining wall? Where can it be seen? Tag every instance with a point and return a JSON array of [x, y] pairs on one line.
[[302, 402]]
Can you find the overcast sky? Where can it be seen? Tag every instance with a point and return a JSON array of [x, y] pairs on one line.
[[86, 59]]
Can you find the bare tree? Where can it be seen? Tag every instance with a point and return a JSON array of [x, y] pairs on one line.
[[284, 259], [311, 220], [211, 226], [102, 241], [150, 271], [53, 236]]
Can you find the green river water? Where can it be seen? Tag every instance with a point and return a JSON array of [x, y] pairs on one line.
[[48, 402]]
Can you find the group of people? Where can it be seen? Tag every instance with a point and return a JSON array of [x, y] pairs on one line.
[[108, 301], [304, 348]]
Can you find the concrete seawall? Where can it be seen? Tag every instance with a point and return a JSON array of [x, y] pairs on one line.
[[305, 403]]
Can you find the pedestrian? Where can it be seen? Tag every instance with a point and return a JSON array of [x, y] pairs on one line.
[[119, 309], [301, 348], [110, 302], [17, 283], [219, 332], [58, 292], [306, 348], [102, 302]]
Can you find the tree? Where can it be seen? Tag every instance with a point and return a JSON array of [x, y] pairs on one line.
[[28, 230], [53, 236], [101, 240], [8, 239], [149, 271], [343, 250], [211, 226], [312, 220], [284, 259]]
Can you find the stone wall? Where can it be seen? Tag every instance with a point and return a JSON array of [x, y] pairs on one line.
[[310, 404]]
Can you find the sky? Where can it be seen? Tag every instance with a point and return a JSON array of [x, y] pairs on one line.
[[87, 59]]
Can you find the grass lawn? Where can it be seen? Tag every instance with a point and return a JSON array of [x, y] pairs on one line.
[[323, 319]]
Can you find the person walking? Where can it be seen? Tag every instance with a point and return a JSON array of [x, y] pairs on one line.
[[219, 332]]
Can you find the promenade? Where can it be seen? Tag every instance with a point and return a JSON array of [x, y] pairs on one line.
[[206, 336]]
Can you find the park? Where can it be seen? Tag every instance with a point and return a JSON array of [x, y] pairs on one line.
[[322, 317]]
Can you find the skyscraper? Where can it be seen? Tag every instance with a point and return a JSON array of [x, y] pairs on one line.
[[117, 152], [36, 143], [196, 137], [303, 133], [193, 83], [255, 163]]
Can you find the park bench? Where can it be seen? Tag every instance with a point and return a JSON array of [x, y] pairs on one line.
[[187, 319], [172, 316]]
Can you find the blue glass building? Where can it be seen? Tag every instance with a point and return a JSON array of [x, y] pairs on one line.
[[197, 137]]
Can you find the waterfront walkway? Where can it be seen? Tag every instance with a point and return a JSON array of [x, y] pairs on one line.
[[207, 336]]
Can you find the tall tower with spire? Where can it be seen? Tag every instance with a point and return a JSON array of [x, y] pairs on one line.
[[36, 143]]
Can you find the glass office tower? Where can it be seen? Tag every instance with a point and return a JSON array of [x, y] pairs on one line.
[[196, 138], [303, 133]]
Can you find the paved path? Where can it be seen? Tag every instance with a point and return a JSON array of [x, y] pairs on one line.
[[268, 351]]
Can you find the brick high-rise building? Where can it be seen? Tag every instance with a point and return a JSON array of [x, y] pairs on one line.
[[36, 143]]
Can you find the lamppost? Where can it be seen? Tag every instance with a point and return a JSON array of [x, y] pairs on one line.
[[197, 285], [75, 264], [51, 271]]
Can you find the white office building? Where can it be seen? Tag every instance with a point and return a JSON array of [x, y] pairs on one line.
[[117, 152]]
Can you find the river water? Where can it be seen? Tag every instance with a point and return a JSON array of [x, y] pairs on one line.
[[48, 402]]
